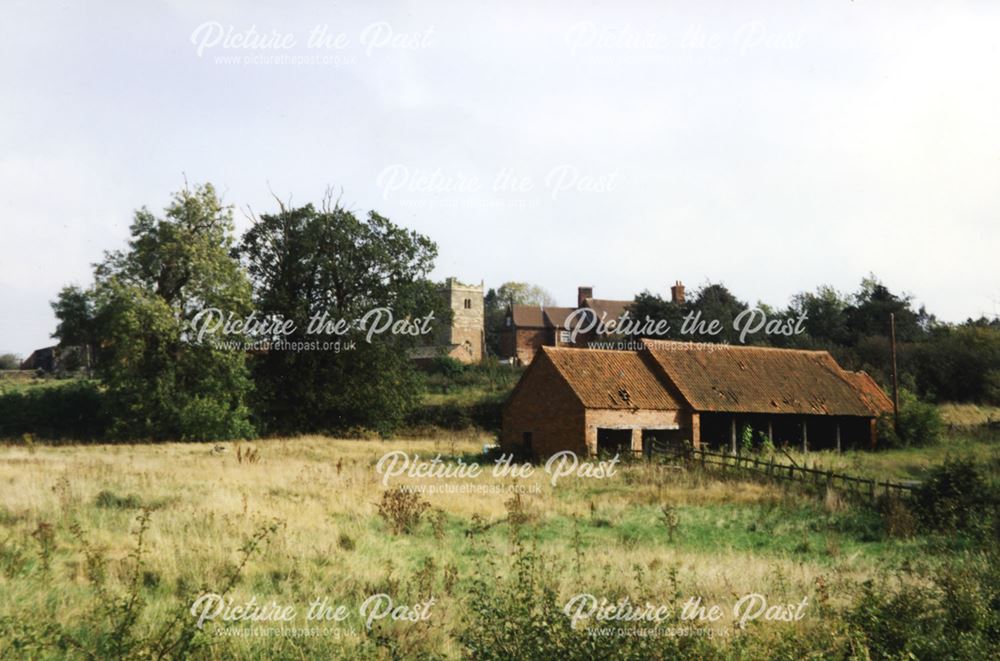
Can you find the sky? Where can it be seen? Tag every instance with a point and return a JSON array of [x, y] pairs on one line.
[[774, 147]]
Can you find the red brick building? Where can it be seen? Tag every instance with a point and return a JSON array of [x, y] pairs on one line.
[[529, 327], [591, 400]]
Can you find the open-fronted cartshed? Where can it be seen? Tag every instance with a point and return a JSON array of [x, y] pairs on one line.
[[594, 400]]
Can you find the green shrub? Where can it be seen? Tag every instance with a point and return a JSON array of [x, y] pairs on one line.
[[957, 498], [64, 410], [446, 366], [956, 615], [919, 424], [521, 616]]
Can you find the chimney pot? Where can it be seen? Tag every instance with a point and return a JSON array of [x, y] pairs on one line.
[[677, 293]]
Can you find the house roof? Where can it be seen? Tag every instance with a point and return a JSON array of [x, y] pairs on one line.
[[556, 317], [534, 316], [528, 316], [605, 379], [607, 309], [725, 378]]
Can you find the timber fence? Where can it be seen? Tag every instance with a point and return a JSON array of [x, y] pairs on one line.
[[861, 487]]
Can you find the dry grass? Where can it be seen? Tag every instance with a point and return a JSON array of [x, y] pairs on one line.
[[204, 502]]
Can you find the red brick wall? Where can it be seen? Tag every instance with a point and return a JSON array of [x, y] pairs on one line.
[[528, 340], [544, 405], [638, 420]]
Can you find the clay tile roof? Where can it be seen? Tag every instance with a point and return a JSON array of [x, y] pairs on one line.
[[607, 309], [870, 392], [604, 379], [724, 378], [528, 316], [556, 317]]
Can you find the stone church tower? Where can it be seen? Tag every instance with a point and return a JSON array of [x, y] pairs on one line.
[[464, 339]]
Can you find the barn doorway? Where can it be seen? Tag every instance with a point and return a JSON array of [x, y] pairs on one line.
[[614, 441], [666, 441]]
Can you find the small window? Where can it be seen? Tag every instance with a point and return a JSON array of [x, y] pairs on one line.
[[564, 337], [468, 304], [526, 440], [507, 322]]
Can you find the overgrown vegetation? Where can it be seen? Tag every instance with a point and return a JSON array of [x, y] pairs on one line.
[[919, 424], [903, 579]]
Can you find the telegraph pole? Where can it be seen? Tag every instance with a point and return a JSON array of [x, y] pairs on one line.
[[895, 378]]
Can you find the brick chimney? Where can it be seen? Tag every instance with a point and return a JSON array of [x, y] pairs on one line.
[[582, 294], [677, 293]]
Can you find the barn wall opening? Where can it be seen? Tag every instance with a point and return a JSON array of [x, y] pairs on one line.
[[612, 441]]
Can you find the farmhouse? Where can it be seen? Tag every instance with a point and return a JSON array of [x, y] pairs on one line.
[[681, 393], [528, 327]]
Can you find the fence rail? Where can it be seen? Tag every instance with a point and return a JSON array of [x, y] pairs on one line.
[[867, 488]]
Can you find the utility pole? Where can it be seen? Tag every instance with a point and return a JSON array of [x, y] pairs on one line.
[[895, 378]]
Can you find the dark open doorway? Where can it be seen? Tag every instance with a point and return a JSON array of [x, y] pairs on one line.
[[665, 441], [614, 441]]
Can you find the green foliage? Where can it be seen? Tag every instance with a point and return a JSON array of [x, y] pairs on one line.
[[308, 261], [9, 361], [960, 364], [746, 439], [161, 382], [955, 614], [446, 366], [919, 423], [60, 410], [957, 498], [118, 623], [520, 616]]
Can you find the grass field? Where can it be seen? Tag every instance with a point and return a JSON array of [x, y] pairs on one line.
[[69, 517]]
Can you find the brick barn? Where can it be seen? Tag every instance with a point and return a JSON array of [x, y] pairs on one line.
[[594, 400]]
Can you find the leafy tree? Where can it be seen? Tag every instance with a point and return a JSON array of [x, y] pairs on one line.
[[824, 311], [715, 302], [9, 361], [307, 261], [653, 306], [869, 314], [162, 382], [960, 364]]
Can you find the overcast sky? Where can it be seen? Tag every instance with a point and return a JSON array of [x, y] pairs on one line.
[[621, 145]]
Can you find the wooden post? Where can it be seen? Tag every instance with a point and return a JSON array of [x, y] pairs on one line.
[[732, 430], [696, 430], [805, 436], [770, 432], [636, 441], [838, 437]]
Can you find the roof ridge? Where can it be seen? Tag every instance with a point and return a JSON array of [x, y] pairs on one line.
[[726, 345], [594, 349]]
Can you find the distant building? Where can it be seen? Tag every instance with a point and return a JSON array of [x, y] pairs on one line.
[[57, 358], [44, 359], [682, 393], [464, 337], [530, 327]]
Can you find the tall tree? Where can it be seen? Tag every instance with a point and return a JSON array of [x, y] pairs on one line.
[[305, 262], [163, 382], [714, 302]]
